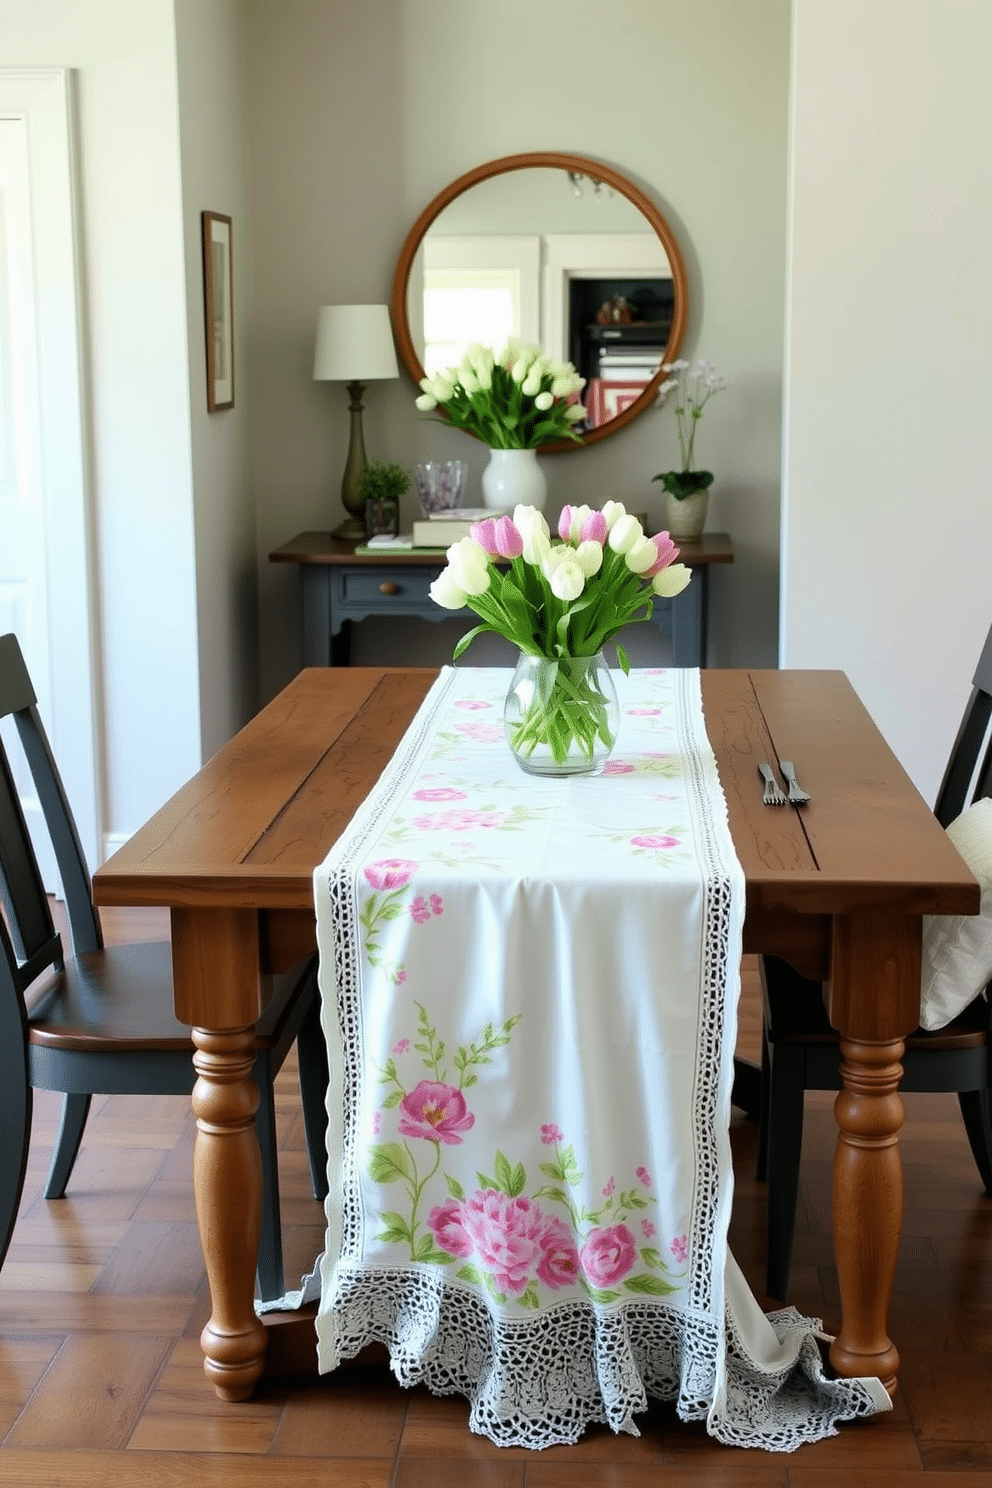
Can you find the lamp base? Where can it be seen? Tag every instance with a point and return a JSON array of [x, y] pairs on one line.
[[351, 530]]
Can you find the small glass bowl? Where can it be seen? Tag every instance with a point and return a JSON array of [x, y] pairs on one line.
[[441, 484]]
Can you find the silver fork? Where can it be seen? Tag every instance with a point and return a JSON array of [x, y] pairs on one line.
[[796, 793], [774, 794]]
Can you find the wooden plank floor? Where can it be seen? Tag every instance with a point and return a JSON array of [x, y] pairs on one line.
[[103, 1296]]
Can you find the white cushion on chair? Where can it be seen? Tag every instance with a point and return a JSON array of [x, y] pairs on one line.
[[957, 949]]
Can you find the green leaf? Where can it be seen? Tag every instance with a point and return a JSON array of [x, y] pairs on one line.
[[389, 1163], [393, 1099], [454, 1187], [552, 1170], [396, 1227], [530, 1297], [470, 1273], [652, 1257], [485, 1182], [504, 1176], [652, 1286], [597, 1294], [426, 1250], [518, 1181]]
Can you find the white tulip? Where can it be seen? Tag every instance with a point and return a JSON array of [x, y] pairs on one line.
[[535, 533], [589, 557], [566, 579], [624, 533], [543, 401], [445, 592], [613, 511], [469, 381], [425, 403], [520, 368], [531, 385], [574, 412], [671, 580], [469, 565], [641, 555]]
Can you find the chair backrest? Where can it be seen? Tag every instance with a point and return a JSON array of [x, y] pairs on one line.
[[969, 770], [28, 936]]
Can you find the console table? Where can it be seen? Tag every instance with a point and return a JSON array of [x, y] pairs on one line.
[[341, 585]]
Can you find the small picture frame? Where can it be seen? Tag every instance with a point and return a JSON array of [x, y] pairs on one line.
[[218, 307]]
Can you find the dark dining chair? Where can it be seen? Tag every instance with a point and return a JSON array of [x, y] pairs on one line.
[[100, 1020], [800, 1050]]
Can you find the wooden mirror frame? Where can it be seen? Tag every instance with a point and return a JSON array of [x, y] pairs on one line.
[[550, 160]]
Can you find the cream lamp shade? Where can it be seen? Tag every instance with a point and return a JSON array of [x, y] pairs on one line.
[[354, 346]]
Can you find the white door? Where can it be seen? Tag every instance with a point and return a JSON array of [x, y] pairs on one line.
[[44, 570]]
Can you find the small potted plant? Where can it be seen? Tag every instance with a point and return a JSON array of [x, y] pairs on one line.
[[380, 487], [693, 385]]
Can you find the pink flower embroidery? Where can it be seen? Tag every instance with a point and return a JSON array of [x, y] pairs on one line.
[[506, 1235], [439, 793], [472, 704], [390, 873], [559, 1263], [401, 1047], [608, 1255], [458, 821], [648, 1228], [483, 733], [446, 1222], [437, 904], [654, 839], [617, 767], [608, 1190], [436, 1112], [551, 1134], [644, 1176], [419, 910], [643, 712], [680, 1248], [376, 1122]]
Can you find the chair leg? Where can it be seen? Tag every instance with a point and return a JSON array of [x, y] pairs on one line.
[[976, 1112], [270, 1271], [75, 1109], [16, 1101], [311, 1055], [785, 1144], [761, 1162]]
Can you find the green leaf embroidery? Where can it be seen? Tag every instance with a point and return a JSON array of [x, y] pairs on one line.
[[470, 1273], [454, 1187], [653, 1286], [389, 1163]]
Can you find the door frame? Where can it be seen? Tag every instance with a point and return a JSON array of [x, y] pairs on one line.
[[44, 98]]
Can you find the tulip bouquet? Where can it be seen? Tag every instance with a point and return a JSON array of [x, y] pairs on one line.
[[519, 399], [561, 601]]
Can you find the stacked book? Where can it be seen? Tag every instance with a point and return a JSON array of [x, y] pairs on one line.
[[443, 528]]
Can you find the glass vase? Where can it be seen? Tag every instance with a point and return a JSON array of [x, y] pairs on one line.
[[561, 715]]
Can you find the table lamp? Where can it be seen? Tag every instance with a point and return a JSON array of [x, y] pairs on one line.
[[354, 346]]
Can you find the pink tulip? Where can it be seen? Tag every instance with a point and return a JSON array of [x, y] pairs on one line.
[[594, 528], [484, 534], [509, 542], [667, 553]]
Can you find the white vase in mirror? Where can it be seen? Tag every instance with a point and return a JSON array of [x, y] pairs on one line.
[[512, 478]]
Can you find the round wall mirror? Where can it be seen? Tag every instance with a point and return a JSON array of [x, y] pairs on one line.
[[560, 250]]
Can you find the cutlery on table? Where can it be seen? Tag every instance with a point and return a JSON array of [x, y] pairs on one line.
[[796, 793], [774, 794]]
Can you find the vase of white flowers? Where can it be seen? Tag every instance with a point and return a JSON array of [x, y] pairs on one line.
[[687, 489], [559, 603], [515, 402]]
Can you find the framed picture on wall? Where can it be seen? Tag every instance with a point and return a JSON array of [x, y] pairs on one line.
[[218, 310]]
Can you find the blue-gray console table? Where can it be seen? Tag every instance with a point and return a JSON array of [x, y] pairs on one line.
[[340, 585]]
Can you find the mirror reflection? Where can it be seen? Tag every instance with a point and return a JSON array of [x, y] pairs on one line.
[[568, 255]]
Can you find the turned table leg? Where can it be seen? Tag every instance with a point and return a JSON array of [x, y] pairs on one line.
[[215, 965], [867, 1206], [874, 1001]]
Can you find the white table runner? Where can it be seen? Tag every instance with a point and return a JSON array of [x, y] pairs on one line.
[[530, 999]]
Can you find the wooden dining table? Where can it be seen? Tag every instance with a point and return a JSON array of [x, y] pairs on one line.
[[837, 887]]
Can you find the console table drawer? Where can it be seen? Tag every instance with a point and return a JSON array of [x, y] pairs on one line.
[[381, 591]]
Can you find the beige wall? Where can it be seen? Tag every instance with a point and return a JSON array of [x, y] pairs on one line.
[[360, 114], [888, 466], [213, 106]]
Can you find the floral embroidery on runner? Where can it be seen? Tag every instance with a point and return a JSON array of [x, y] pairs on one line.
[[530, 1003]]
